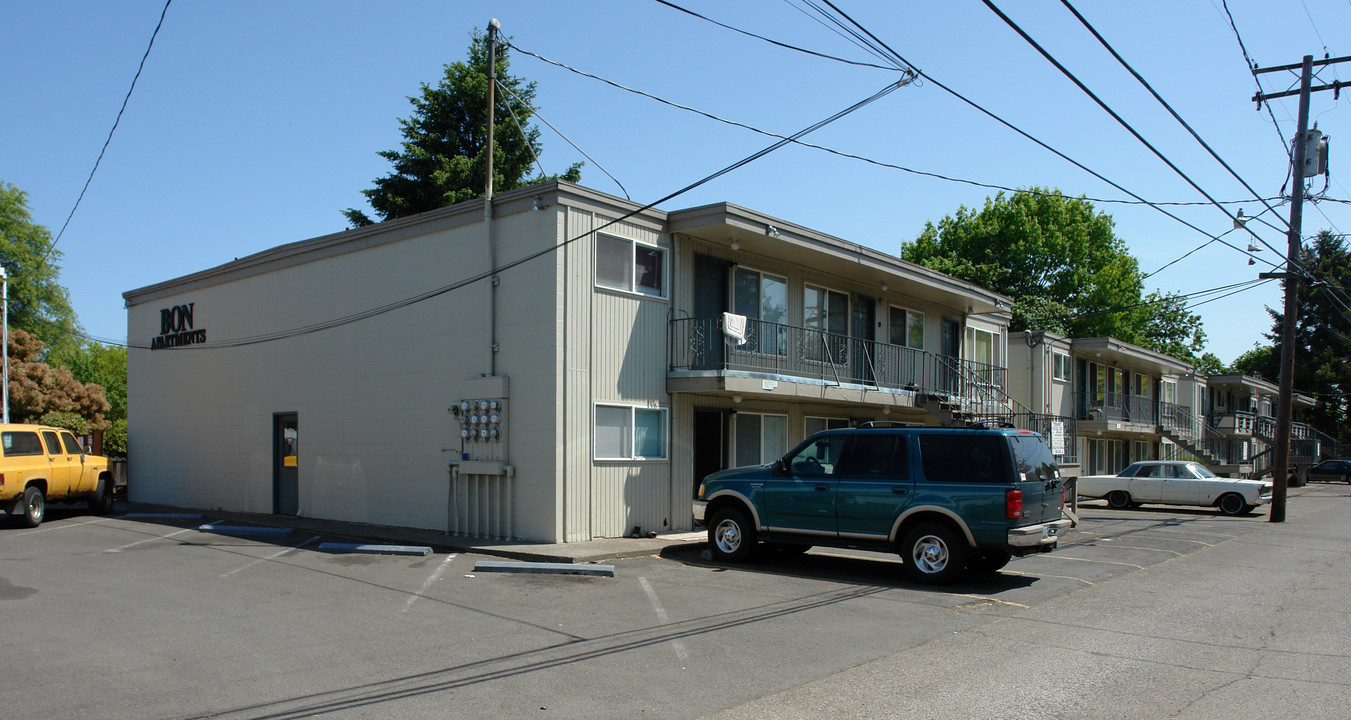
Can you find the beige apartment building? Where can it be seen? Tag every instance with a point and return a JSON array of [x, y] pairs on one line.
[[565, 367]]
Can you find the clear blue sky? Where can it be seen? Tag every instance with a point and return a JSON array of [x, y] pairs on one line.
[[255, 123]]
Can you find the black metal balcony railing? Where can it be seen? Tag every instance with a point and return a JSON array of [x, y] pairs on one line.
[[778, 349], [976, 391], [1117, 406]]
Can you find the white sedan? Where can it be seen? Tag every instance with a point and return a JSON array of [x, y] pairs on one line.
[[1172, 482]]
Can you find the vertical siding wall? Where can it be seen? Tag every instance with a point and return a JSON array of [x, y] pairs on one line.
[[616, 352], [375, 437]]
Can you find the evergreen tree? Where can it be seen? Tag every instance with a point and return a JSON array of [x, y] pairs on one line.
[[442, 160]]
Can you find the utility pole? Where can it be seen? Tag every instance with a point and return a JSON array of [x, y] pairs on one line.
[[1285, 408]]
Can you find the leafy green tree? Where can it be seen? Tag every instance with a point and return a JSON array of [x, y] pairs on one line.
[[1063, 265], [68, 420], [115, 439], [1165, 325], [1210, 364], [103, 365], [38, 303], [442, 159], [1262, 361], [1322, 335]]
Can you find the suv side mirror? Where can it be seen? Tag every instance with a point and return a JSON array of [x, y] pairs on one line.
[[781, 467]]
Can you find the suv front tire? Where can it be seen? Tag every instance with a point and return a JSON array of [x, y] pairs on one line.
[[731, 535]]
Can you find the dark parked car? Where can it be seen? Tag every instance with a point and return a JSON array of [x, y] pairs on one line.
[[1331, 471], [948, 500]]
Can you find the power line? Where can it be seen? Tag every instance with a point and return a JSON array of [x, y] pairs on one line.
[[1252, 68], [1078, 83], [852, 156], [747, 33], [1047, 147], [389, 307], [125, 100], [1163, 102], [560, 134]]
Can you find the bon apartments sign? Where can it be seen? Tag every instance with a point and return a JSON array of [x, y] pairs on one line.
[[176, 329]]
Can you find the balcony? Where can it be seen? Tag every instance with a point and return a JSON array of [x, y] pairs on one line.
[[1235, 424], [775, 351], [1117, 407]]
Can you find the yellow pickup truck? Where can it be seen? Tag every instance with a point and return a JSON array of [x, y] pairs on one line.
[[40, 463]]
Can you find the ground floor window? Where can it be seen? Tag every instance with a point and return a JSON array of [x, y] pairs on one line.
[[817, 424], [627, 432], [759, 439]]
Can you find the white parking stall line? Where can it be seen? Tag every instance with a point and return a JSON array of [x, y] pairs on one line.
[[676, 644], [426, 585], [148, 540], [1061, 556], [50, 528], [271, 557]]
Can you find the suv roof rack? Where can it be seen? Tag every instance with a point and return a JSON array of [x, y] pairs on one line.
[[882, 423]]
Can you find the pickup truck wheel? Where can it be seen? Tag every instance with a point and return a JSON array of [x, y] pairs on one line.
[[34, 507], [731, 535], [932, 554], [1119, 500], [987, 562], [1232, 504], [101, 501]]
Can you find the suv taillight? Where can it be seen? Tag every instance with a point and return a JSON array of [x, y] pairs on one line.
[[1013, 504]]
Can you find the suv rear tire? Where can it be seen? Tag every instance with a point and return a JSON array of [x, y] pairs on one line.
[[933, 554], [730, 535]]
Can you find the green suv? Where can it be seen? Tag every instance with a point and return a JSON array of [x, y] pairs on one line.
[[949, 500]]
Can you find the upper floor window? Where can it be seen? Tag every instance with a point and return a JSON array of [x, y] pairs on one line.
[[907, 328], [825, 310], [760, 296], [1063, 369], [1168, 391], [982, 346], [764, 297], [623, 264]]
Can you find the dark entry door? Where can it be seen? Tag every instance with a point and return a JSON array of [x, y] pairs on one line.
[[709, 445], [710, 302], [864, 317], [285, 464]]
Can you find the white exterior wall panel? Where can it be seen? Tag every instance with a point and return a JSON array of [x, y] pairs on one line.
[[371, 396]]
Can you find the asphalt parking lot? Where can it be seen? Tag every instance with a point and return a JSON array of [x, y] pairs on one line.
[[147, 617]]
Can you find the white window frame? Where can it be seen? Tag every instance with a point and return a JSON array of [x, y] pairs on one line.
[[632, 285], [1062, 366], [630, 444], [970, 350], [909, 316]]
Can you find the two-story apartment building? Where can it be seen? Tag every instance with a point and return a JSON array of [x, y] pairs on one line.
[[1241, 409], [560, 366], [1131, 403]]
